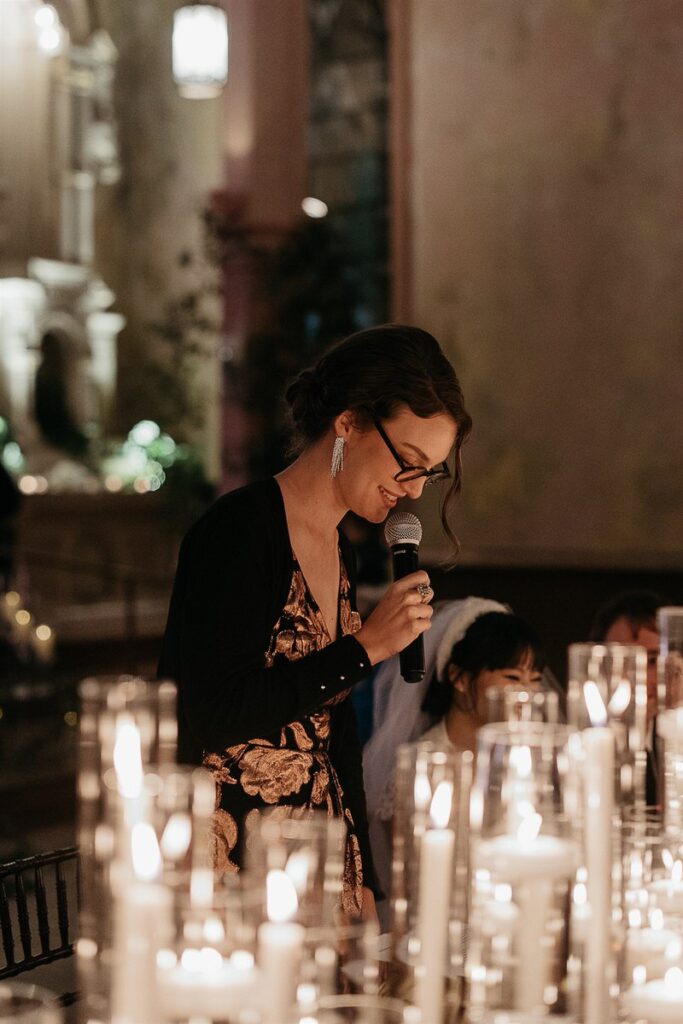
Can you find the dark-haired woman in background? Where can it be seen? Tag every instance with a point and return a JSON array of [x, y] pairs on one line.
[[498, 649], [473, 645], [263, 637]]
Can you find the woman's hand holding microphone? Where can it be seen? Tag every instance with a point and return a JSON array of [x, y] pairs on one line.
[[402, 615]]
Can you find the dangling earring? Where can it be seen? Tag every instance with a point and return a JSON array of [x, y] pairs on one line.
[[337, 456]]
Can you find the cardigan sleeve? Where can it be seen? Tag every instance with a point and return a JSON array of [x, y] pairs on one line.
[[215, 644]]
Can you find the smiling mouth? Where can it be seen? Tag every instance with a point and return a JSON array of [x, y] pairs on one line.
[[390, 498]]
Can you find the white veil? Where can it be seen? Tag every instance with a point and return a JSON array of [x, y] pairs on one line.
[[398, 716]]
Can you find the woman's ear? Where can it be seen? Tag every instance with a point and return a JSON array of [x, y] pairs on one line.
[[343, 424], [457, 678], [461, 682]]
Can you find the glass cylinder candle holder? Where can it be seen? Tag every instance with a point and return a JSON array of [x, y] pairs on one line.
[[343, 958], [654, 936], [28, 1004], [128, 722], [429, 884], [669, 742], [521, 704], [355, 1009], [524, 856], [670, 661], [614, 676], [207, 970], [158, 820], [308, 851]]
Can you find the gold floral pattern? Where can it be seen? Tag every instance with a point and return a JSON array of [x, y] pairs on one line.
[[291, 771], [222, 841]]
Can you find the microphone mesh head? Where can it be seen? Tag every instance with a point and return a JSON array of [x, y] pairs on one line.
[[402, 528]]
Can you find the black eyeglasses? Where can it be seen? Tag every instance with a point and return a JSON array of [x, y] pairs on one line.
[[406, 472]]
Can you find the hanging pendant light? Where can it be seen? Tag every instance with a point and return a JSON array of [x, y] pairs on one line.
[[200, 50]]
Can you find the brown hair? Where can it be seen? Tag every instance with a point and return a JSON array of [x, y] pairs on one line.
[[372, 373]]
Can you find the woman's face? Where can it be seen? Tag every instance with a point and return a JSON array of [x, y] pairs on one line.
[[366, 485], [523, 676]]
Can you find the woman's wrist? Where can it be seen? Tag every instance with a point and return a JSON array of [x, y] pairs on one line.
[[371, 649]]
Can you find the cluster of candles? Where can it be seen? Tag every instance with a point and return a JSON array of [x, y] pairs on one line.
[[33, 640], [529, 882]]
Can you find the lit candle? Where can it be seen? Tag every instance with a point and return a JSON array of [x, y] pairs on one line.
[[436, 870], [667, 893], [280, 944], [598, 789], [205, 984], [659, 1002], [655, 949], [127, 758], [530, 863], [142, 923]]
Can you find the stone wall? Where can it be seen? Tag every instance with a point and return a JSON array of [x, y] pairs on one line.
[[545, 251]]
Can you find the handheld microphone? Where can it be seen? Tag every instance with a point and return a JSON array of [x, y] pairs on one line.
[[403, 533]]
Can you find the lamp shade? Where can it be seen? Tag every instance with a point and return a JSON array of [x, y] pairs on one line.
[[200, 50]]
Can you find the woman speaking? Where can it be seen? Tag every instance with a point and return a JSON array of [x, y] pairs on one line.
[[263, 638]]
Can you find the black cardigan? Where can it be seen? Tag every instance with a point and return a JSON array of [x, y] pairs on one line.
[[233, 579]]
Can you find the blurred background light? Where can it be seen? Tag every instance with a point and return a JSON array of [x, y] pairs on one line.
[[313, 207], [200, 50]]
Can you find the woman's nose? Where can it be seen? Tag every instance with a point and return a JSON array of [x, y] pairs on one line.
[[414, 488]]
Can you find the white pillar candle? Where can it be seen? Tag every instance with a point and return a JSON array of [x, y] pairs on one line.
[[205, 984], [531, 863], [142, 924], [598, 746], [659, 1002], [280, 944], [655, 949], [436, 870]]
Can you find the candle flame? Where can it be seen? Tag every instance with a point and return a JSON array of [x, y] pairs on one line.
[[673, 979], [677, 871], [298, 867], [176, 838], [128, 757], [440, 807], [422, 791], [520, 758], [597, 712], [621, 698], [657, 920], [529, 828], [281, 899], [145, 852]]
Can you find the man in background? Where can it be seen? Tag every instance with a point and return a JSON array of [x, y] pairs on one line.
[[631, 618]]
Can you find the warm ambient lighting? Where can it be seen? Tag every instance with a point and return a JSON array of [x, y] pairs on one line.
[[281, 898], [313, 207], [597, 712], [200, 51], [440, 807]]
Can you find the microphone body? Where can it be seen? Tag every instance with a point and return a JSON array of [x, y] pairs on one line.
[[404, 533]]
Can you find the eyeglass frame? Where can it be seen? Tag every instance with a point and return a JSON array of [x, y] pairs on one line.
[[440, 472]]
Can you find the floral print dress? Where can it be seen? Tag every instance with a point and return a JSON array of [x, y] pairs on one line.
[[292, 770]]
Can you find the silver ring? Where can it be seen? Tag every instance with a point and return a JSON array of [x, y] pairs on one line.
[[424, 590]]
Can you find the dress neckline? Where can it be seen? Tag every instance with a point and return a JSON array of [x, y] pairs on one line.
[[310, 597]]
